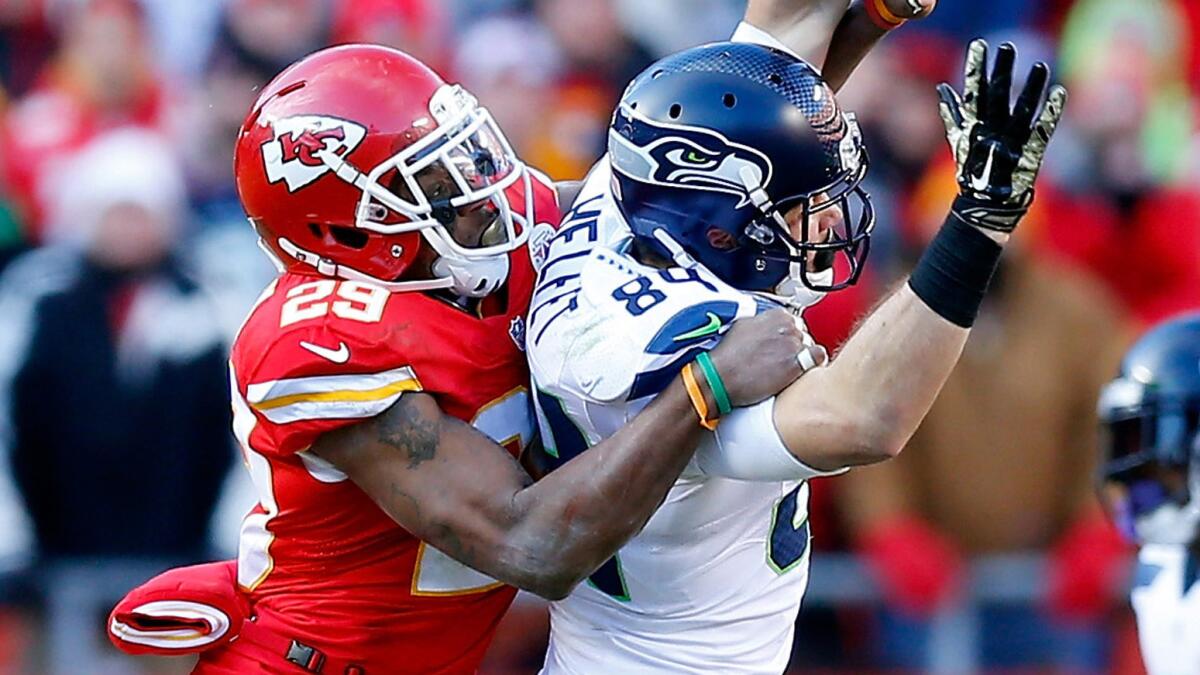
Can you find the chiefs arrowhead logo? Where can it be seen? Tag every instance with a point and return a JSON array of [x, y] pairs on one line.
[[293, 155]]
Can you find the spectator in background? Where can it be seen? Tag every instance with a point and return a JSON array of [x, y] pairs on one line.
[[609, 58], [1001, 465], [894, 96], [25, 43], [552, 92], [252, 46], [1124, 167], [514, 77], [12, 233], [255, 40], [103, 76], [608, 53], [667, 26], [964, 20], [116, 398], [267, 35], [419, 27], [525, 70]]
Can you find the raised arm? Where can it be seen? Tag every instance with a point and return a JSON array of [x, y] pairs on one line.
[[833, 35], [454, 488], [865, 405], [862, 27], [804, 26]]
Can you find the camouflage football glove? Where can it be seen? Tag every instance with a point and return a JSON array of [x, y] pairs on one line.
[[998, 149]]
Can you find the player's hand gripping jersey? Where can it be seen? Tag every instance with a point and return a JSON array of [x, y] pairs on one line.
[[317, 556], [714, 581]]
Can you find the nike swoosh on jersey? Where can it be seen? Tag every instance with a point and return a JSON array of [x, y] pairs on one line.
[[339, 355], [713, 326], [981, 181]]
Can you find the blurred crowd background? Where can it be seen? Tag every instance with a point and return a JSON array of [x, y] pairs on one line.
[[126, 266]]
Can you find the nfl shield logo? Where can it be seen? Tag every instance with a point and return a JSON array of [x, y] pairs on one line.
[[539, 244], [516, 331]]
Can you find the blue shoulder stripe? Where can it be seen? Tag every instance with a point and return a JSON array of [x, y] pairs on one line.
[[693, 325], [1145, 573], [765, 305]]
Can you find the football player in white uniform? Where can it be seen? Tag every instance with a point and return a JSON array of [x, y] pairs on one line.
[[1150, 415], [733, 183]]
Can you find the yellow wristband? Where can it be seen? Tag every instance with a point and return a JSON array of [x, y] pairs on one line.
[[697, 396], [879, 9]]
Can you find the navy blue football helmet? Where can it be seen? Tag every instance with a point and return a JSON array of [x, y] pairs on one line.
[[712, 146], [1150, 430]]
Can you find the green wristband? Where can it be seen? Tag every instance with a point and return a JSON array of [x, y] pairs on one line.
[[714, 383]]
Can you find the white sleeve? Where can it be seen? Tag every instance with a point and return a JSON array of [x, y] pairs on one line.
[[749, 33], [746, 446]]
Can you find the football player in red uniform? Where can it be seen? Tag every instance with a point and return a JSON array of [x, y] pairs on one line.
[[379, 385], [380, 393]]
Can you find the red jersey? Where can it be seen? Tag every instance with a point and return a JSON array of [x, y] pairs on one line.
[[316, 553]]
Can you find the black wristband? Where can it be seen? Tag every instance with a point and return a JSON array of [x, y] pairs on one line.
[[954, 272]]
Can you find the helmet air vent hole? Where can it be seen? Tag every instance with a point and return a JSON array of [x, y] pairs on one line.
[[633, 106], [775, 79], [729, 100], [348, 236], [656, 74], [315, 229], [675, 111]]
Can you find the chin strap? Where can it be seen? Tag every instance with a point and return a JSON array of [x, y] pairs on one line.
[[678, 255], [280, 268], [792, 291], [472, 278], [468, 278], [331, 269]]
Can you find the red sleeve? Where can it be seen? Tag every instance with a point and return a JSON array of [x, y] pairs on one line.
[[316, 376]]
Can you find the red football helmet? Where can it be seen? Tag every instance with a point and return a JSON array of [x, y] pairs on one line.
[[355, 155]]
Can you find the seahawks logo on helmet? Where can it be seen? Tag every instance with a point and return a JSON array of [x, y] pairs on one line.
[[689, 157]]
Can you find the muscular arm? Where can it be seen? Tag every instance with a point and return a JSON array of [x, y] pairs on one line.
[[853, 39], [863, 407], [454, 488], [826, 33], [833, 35], [804, 26], [867, 403]]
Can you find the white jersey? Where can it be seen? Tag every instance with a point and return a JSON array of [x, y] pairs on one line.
[[714, 581], [1166, 599]]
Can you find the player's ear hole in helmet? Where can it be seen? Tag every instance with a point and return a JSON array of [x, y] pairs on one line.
[[748, 141]]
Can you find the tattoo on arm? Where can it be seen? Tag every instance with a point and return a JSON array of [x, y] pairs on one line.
[[406, 429]]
